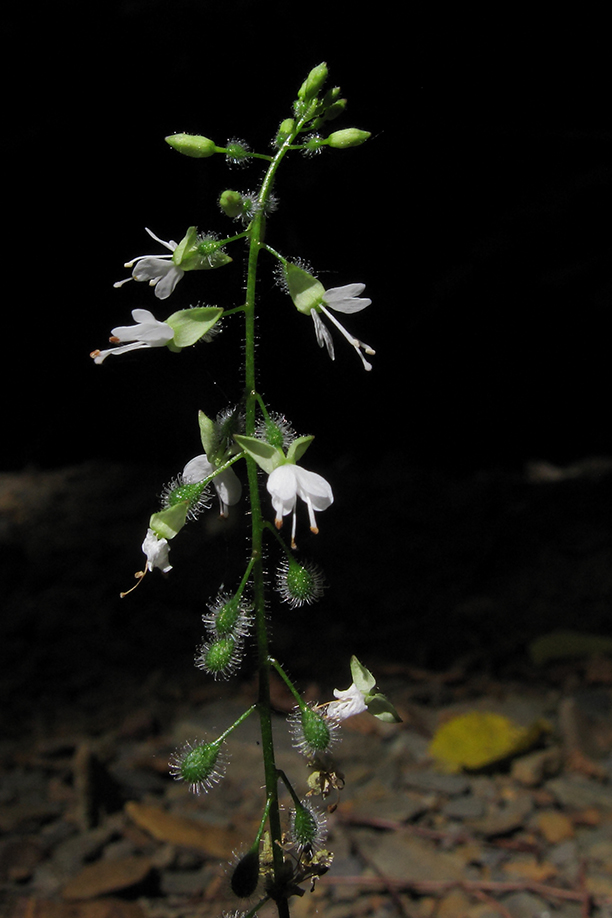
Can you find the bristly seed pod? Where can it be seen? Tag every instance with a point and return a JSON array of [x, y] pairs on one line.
[[308, 827], [201, 765], [245, 876], [221, 657], [299, 584], [228, 616], [197, 495], [313, 732]]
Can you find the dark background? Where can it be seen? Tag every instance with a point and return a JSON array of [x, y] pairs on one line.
[[477, 215]]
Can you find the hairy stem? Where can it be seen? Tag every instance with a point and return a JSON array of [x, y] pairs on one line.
[[257, 527]]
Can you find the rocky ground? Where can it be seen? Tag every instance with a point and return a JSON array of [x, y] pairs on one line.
[[453, 589]]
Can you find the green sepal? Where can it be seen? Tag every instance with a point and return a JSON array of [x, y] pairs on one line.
[[185, 247], [266, 456], [298, 448], [168, 523], [304, 289], [362, 677], [208, 435], [196, 253], [191, 324], [381, 707]]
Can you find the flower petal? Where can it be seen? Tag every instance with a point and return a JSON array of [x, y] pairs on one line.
[[346, 299]]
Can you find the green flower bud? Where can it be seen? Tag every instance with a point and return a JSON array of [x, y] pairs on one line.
[[285, 130], [230, 203], [192, 145], [201, 765], [313, 83], [350, 137]]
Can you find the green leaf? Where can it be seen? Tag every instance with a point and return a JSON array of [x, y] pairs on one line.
[[266, 456], [167, 523], [191, 324]]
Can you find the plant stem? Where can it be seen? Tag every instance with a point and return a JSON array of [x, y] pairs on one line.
[[257, 527]]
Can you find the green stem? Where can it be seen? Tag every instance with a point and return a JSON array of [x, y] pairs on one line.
[[257, 525]]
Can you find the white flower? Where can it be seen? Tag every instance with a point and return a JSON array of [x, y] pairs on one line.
[[148, 332], [350, 702], [156, 551], [341, 299], [227, 484], [159, 270], [288, 482]]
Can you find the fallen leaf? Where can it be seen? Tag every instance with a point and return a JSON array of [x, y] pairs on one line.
[[179, 830]]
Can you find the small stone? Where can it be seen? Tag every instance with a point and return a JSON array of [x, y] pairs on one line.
[[529, 868], [525, 905], [554, 826], [453, 904], [530, 770], [579, 793], [466, 807]]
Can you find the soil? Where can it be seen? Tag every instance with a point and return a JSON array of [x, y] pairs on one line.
[[438, 581]]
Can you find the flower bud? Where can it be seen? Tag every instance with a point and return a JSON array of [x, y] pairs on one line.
[[350, 137], [201, 765], [285, 130], [192, 145], [230, 203], [313, 83]]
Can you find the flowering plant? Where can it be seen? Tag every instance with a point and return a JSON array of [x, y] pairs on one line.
[[251, 435]]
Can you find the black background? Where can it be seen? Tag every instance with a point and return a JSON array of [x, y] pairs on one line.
[[477, 215]]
